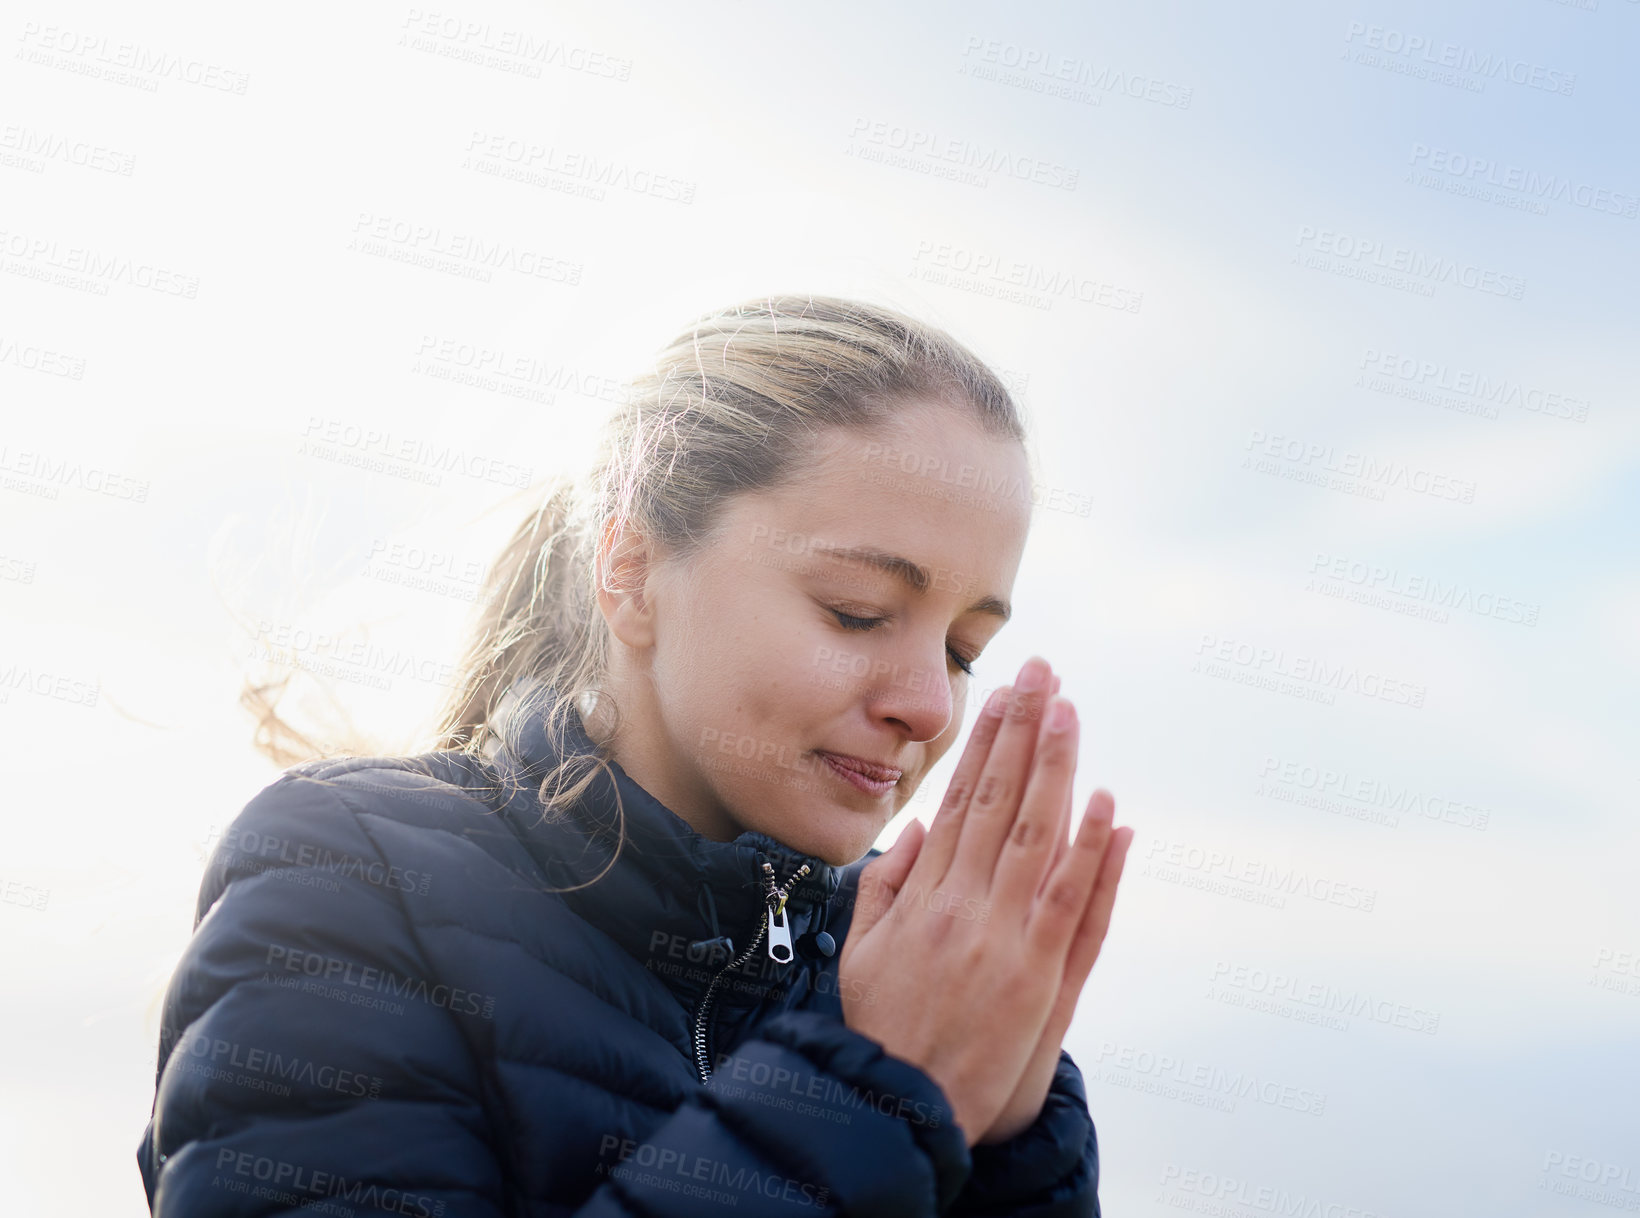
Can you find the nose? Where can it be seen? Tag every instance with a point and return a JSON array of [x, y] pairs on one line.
[[915, 697]]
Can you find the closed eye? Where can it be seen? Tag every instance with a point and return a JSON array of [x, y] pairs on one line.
[[850, 622]]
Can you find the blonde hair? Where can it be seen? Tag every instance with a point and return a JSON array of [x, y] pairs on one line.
[[728, 407]]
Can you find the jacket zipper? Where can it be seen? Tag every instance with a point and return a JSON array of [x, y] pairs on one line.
[[776, 927]]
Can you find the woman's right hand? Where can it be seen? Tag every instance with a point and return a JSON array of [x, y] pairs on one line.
[[961, 937]]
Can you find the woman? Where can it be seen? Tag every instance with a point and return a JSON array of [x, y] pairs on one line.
[[619, 945]]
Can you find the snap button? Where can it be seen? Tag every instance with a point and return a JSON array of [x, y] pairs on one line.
[[818, 944]]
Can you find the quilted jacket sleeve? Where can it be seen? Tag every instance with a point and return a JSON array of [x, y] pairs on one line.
[[1050, 1170], [817, 1119], [280, 1093]]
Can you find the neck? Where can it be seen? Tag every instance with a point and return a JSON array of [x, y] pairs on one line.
[[648, 755]]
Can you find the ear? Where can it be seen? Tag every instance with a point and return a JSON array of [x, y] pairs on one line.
[[624, 563]]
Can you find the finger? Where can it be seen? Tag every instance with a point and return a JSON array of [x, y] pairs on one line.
[[1061, 835], [1062, 830], [1090, 934], [1029, 847], [882, 878], [934, 860], [995, 803], [1070, 888]]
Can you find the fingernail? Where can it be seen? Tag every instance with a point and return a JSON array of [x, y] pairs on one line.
[[1033, 676], [1059, 715]]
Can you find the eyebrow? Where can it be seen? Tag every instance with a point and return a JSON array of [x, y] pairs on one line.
[[913, 574]]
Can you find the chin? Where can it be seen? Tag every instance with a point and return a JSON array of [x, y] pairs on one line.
[[842, 856], [845, 840], [829, 845], [834, 830]]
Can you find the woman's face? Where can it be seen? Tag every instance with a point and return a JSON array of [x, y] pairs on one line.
[[743, 666]]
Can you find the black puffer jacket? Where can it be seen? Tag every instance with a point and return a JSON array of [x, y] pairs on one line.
[[382, 1012]]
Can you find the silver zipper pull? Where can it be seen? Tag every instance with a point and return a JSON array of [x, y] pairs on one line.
[[780, 931], [780, 934]]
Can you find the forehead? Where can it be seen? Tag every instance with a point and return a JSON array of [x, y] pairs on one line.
[[930, 486]]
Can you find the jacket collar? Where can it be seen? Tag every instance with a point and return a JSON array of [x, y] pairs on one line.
[[669, 891]]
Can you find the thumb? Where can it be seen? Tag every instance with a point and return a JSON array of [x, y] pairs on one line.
[[880, 880]]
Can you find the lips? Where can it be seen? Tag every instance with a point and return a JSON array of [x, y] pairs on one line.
[[870, 769]]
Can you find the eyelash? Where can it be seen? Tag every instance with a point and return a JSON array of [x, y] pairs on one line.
[[850, 622]]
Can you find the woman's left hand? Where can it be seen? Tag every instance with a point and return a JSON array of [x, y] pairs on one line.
[[1025, 1104]]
